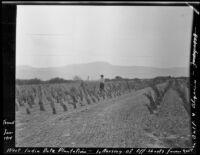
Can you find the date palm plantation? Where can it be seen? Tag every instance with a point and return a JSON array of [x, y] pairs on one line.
[[130, 113]]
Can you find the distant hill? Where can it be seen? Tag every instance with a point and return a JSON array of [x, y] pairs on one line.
[[95, 69]]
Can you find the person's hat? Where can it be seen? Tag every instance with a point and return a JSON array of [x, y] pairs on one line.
[[101, 75]]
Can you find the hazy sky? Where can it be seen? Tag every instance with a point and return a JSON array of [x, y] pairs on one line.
[[121, 35]]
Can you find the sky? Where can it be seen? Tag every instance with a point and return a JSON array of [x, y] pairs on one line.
[[155, 36]]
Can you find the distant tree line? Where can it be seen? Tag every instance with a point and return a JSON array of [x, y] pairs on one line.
[[159, 79], [119, 78], [38, 81]]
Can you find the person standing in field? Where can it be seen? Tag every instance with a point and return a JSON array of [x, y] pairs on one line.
[[102, 83]]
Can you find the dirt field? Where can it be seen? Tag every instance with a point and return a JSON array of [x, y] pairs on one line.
[[118, 122]]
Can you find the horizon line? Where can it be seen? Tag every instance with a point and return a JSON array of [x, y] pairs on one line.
[[101, 62]]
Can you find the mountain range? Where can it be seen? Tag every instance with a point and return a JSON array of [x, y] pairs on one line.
[[95, 69]]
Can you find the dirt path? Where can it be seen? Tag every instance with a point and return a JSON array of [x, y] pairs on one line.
[[112, 123]]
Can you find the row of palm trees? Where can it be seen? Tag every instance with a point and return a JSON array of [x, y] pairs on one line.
[[156, 98]]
